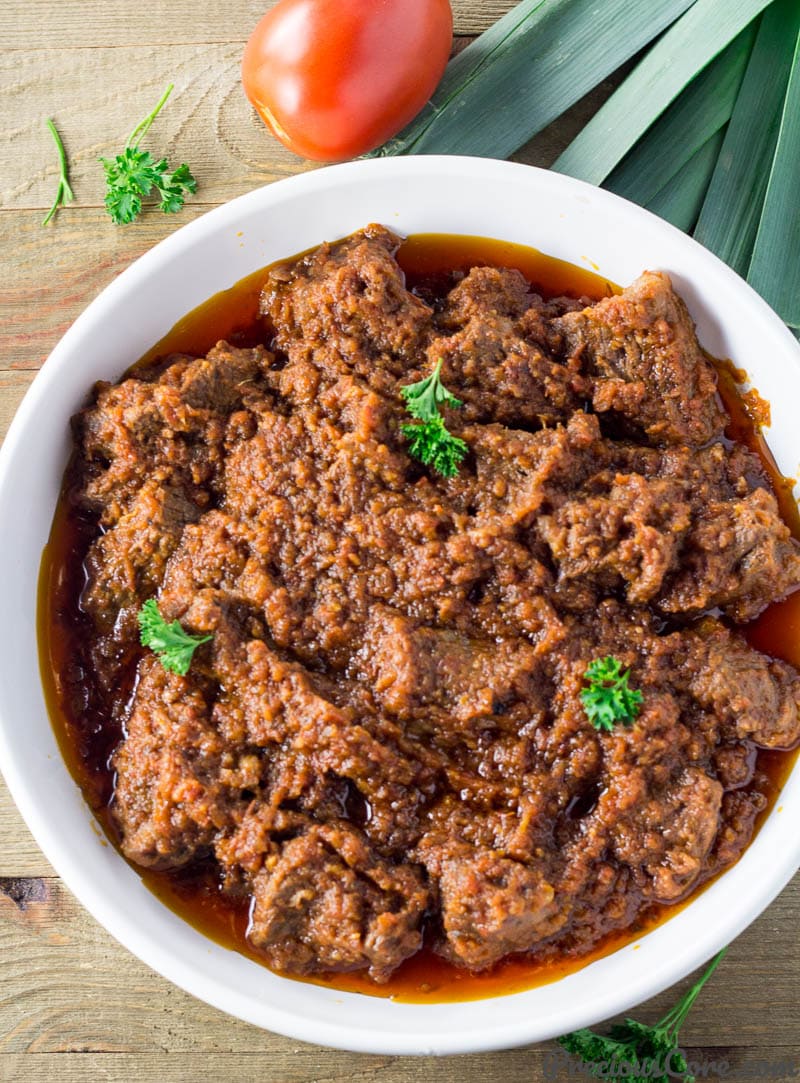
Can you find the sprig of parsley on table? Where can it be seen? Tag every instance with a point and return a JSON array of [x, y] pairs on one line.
[[132, 175], [64, 193], [636, 1052], [429, 439], [609, 698], [174, 647]]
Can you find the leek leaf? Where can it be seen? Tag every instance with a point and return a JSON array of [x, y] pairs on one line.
[[681, 198], [700, 111], [729, 219], [679, 55], [527, 69], [775, 266]]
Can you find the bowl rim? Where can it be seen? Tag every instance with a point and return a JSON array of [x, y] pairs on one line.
[[753, 896]]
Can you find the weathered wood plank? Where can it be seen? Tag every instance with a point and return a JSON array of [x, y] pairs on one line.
[[19, 854], [40, 24], [300, 1065], [57, 271], [13, 386]]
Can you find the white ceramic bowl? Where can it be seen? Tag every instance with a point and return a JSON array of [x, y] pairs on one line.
[[561, 217]]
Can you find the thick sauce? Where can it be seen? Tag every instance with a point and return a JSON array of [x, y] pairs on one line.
[[430, 262]]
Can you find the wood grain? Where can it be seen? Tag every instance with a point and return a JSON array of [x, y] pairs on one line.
[[57, 271], [37, 24], [13, 386], [74, 1005], [19, 854], [207, 122], [300, 1065]]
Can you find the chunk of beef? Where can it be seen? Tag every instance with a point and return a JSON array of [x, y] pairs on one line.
[[738, 555], [519, 475], [754, 697], [345, 308], [487, 291], [173, 424], [500, 374], [169, 800], [686, 529], [668, 833], [222, 381], [216, 553], [311, 732], [649, 369], [738, 814], [126, 564], [734, 764], [630, 536], [327, 902], [491, 906], [414, 671]]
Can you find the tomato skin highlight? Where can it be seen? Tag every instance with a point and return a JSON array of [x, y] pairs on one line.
[[333, 79]]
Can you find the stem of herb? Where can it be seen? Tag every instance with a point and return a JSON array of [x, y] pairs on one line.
[[64, 193], [143, 126], [674, 1018]]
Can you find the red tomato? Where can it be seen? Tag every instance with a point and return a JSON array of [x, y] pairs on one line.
[[335, 78]]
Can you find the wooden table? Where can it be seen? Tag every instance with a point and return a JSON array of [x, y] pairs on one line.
[[74, 1005]]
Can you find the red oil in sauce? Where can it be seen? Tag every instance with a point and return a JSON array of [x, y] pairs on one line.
[[432, 263]]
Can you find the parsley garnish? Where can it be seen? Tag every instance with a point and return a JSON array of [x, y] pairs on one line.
[[636, 1052], [64, 193], [173, 646], [432, 444], [133, 174], [429, 441], [424, 398], [608, 699]]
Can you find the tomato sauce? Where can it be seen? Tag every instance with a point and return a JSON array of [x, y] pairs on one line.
[[431, 262]]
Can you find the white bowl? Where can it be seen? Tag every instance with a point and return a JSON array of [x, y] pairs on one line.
[[560, 216]]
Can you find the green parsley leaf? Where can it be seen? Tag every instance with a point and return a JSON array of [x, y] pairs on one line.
[[132, 175], [432, 444], [173, 646], [609, 699], [172, 187], [424, 398], [64, 193], [123, 205], [429, 441], [637, 1052]]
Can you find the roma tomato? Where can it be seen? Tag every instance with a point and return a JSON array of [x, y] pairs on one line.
[[336, 78]]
